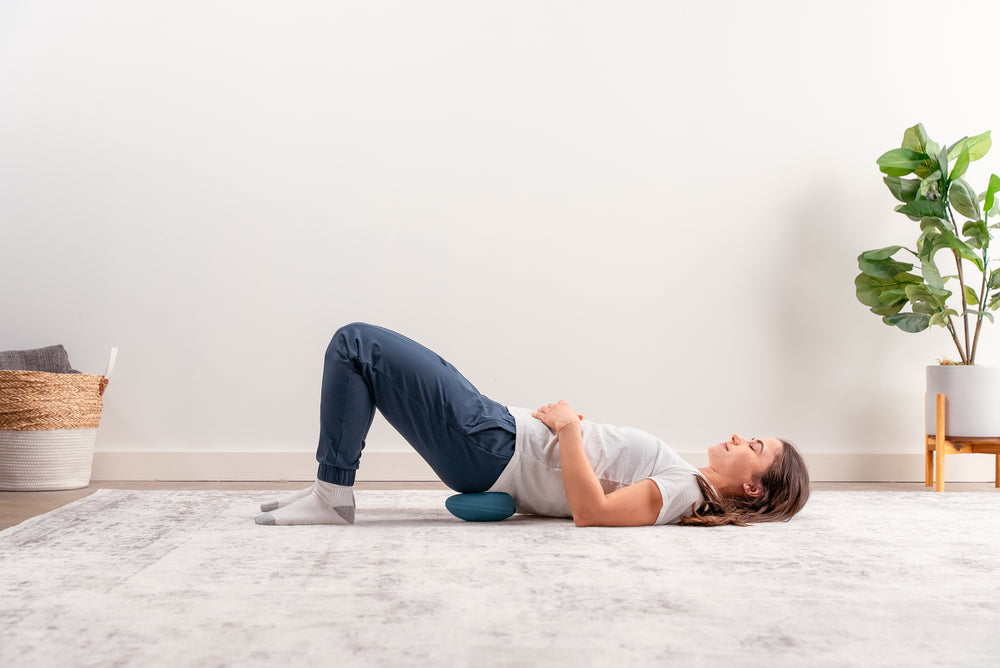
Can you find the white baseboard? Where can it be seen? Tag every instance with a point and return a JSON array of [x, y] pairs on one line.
[[409, 467], [375, 466]]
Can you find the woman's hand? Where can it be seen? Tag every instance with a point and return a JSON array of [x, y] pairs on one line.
[[557, 416]]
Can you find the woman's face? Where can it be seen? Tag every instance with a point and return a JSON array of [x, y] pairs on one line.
[[739, 461]]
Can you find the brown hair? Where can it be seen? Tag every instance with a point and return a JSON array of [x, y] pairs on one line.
[[785, 490]]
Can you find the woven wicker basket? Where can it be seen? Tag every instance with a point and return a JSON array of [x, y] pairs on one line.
[[48, 426]]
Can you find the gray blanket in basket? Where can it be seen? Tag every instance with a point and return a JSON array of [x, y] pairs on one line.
[[53, 359]]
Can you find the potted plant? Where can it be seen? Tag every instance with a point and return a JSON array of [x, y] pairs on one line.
[[946, 278]]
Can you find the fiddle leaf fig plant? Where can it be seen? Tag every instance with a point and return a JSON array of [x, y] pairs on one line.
[[906, 285]]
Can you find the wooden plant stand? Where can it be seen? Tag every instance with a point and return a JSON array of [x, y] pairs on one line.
[[941, 445]]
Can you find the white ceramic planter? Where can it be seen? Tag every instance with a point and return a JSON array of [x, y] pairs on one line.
[[972, 409]]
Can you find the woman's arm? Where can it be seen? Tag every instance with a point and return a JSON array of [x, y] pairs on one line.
[[635, 505]]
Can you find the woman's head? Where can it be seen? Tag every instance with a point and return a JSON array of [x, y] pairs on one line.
[[749, 481], [736, 467]]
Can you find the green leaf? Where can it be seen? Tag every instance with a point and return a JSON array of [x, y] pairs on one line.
[[985, 314], [925, 252], [916, 292], [963, 199], [941, 318], [892, 298], [900, 161], [930, 187], [880, 253], [970, 296], [923, 208], [928, 301], [869, 290], [931, 274], [961, 164], [957, 147], [905, 190], [927, 243], [994, 280], [883, 268], [932, 163], [942, 160], [908, 322], [915, 138], [933, 242], [991, 192], [979, 145], [977, 233], [888, 309], [939, 224]]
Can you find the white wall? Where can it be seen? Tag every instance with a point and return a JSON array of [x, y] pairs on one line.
[[650, 209]]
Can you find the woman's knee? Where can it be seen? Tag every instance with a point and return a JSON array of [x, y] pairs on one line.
[[345, 338], [348, 339]]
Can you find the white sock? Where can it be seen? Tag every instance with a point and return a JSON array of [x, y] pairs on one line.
[[325, 503], [285, 500]]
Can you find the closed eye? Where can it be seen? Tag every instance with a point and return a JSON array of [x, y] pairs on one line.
[[761, 444]]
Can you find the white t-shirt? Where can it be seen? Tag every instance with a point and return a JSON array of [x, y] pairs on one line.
[[620, 456]]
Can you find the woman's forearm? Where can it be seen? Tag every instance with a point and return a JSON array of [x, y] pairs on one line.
[[583, 489]]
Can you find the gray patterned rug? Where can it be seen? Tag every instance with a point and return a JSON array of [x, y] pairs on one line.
[[159, 578]]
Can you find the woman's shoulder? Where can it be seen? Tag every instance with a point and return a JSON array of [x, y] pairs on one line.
[[680, 491]]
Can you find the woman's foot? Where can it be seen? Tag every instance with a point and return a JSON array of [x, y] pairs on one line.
[[285, 500], [323, 503]]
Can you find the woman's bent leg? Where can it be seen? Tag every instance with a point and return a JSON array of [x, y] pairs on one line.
[[466, 437]]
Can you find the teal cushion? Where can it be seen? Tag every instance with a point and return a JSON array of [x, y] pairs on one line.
[[481, 506]]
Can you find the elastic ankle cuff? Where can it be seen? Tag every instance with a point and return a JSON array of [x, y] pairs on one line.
[[336, 476]]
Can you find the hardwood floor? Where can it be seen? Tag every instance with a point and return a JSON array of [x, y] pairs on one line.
[[15, 507]]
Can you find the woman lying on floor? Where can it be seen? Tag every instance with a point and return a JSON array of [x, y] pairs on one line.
[[550, 461]]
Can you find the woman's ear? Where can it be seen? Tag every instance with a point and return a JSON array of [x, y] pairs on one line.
[[752, 489]]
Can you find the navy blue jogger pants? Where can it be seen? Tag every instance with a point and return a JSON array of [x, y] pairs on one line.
[[466, 437]]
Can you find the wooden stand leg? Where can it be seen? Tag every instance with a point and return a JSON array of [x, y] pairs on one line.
[[928, 464], [928, 455], [939, 444]]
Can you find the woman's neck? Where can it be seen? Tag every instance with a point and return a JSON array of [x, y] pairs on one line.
[[716, 480]]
